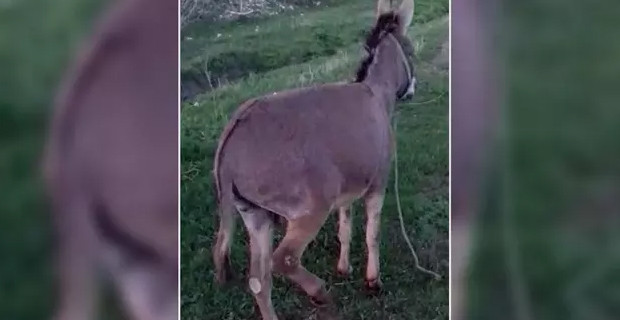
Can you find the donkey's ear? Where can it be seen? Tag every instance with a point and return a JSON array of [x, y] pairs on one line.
[[383, 6], [405, 14]]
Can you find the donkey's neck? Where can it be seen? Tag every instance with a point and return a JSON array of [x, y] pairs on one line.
[[385, 74]]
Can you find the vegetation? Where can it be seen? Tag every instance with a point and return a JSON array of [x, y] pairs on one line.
[[547, 246], [218, 10], [292, 50]]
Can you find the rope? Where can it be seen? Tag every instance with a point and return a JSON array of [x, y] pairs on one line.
[[400, 213], [428, 101]]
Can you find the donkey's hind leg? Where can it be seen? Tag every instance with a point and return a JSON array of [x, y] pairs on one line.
[[373, 203], [287, 257], [260, 228], [149, 291], [145, 276]]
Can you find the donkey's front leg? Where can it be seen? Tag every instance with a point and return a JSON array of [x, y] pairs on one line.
[[344, 236], [373, 203]]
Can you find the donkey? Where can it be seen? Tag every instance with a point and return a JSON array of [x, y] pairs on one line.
[[301, 154], [111, 165]]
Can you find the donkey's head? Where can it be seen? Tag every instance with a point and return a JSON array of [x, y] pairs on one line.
[[388, 41]]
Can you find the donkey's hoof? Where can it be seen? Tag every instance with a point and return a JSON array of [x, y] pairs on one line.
[[373, 285], [321, 298], [344, 272]]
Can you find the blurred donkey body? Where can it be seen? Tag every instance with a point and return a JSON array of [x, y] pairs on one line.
[[474, 115], [111, 165]]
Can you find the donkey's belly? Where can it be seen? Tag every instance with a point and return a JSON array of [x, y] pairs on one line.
[[295, 205]]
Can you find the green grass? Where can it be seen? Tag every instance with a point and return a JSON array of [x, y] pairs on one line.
[[228, 51], [557, 182], [422, 137]]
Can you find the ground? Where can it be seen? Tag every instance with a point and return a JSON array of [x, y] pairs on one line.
[[256, 57]]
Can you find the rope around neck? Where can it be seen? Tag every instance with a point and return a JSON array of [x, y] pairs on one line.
[[400, 212], [403, 57]]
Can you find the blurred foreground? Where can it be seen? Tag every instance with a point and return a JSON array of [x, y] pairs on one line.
[[37, 40], [110, 159], [543, 226]]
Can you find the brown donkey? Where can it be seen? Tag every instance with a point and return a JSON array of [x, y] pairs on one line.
[[111, 165], [301, 154]]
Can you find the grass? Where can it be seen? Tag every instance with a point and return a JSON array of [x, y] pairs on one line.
[[228, 51], [319, 46], [557, 183]]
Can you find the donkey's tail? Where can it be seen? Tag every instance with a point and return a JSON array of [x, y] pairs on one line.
[[223, 242]]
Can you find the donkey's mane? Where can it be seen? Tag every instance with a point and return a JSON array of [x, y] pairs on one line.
[[386, 23]]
